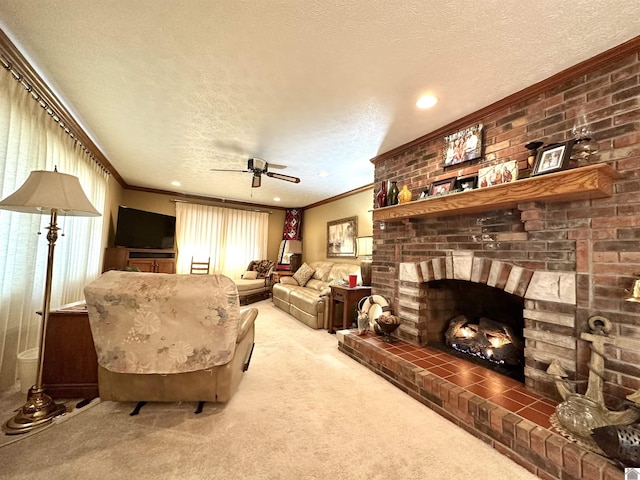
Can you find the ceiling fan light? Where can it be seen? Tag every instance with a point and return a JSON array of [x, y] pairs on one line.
[[256, 163], [256, 181]]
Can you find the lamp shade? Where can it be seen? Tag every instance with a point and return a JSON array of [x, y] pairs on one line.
[[293, 246], [365, 246], [45, 191]]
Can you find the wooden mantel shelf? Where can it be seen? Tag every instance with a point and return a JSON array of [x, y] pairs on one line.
[[592, 181]]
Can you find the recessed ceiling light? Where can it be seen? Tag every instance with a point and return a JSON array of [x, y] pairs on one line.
[[427, 101], [176, 184], [323, 173], [276, 199]]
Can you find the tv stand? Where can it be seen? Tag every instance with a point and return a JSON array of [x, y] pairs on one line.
[[145, 259]]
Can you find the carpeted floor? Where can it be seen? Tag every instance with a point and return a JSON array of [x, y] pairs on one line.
[[303, 411]]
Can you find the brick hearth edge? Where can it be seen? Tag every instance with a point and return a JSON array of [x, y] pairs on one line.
[[539, 450]]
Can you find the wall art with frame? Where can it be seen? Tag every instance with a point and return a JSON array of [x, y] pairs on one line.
[[341, 238], [463, 146], [552, 158]]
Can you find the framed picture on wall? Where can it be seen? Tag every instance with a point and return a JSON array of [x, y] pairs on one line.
[[341, 237], [463, 146]]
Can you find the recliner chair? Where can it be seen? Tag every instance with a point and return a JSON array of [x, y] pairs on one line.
[[165, 338]]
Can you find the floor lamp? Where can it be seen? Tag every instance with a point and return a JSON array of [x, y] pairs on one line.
[[58, 194]]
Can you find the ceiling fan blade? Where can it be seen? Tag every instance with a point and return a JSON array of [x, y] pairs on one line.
[[277, 167], [280, 176], [256, 181], [227, 170]]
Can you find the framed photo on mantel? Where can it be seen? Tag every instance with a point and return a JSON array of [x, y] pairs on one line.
[[552, 158], [441, 187], [505, 172]]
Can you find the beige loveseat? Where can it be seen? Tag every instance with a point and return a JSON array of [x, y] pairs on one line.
[[167, 338], [310, 303]]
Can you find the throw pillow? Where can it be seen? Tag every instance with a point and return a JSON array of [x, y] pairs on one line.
[[263, 267], [303, 274], [250, 275]]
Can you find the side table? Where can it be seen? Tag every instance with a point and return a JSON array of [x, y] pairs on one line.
[[348, 297], [70, 367], [277, 275], [275, 278]]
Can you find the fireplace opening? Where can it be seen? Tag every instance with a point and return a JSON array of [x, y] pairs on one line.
[[477, 323]]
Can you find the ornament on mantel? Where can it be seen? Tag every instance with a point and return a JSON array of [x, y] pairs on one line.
[[405, 195], [392, 198], [381, 197], [533, 152]]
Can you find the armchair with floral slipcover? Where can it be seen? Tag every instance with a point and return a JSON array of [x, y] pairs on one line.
[[166, 338]]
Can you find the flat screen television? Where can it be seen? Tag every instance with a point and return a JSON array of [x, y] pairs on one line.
[[140, 229]]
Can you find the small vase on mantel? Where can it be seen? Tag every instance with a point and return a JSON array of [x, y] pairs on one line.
[[381, 198], [392, 198], [405, 195]]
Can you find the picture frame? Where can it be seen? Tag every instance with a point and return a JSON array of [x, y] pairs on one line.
[[505, 172], [341, 238], [464, 145], [464, 184], [441, 187], [552, 158]]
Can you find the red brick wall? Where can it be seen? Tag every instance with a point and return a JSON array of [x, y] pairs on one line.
[[597, 239]]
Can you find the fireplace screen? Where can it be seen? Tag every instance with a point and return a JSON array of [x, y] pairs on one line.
[[487, 339]]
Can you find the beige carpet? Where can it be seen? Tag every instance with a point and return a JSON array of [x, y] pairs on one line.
[[303, 411]]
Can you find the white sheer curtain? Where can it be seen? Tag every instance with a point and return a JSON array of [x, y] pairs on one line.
[[231, 238], [31, 140]]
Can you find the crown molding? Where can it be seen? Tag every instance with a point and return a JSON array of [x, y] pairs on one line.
[[603, 59], [26, 74], [341, 196], [192, 198]]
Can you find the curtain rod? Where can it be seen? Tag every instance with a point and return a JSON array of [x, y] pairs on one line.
[[222, 203], [48, 108]]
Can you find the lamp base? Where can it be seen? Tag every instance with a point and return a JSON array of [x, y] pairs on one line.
[[365, 272], [295, 261], [39, 410]]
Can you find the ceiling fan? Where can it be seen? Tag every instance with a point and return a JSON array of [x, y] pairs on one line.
[[258, 166]]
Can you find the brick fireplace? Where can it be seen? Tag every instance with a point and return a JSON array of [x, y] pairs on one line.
[[549, 306], [568, 259]]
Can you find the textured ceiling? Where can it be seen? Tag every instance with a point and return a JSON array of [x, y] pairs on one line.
[[169, 89]]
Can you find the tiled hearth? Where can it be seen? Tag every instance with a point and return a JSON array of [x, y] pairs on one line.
[[498, 410]]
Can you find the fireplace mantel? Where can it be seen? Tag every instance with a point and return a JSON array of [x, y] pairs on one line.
[[592, 181]]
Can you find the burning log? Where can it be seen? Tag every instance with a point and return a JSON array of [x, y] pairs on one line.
[[491, 340]]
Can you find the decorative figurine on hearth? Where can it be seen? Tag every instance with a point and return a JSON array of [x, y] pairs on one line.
[[373, 306], [579, 415], [620, 442], [363, 322], [388, 324]]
